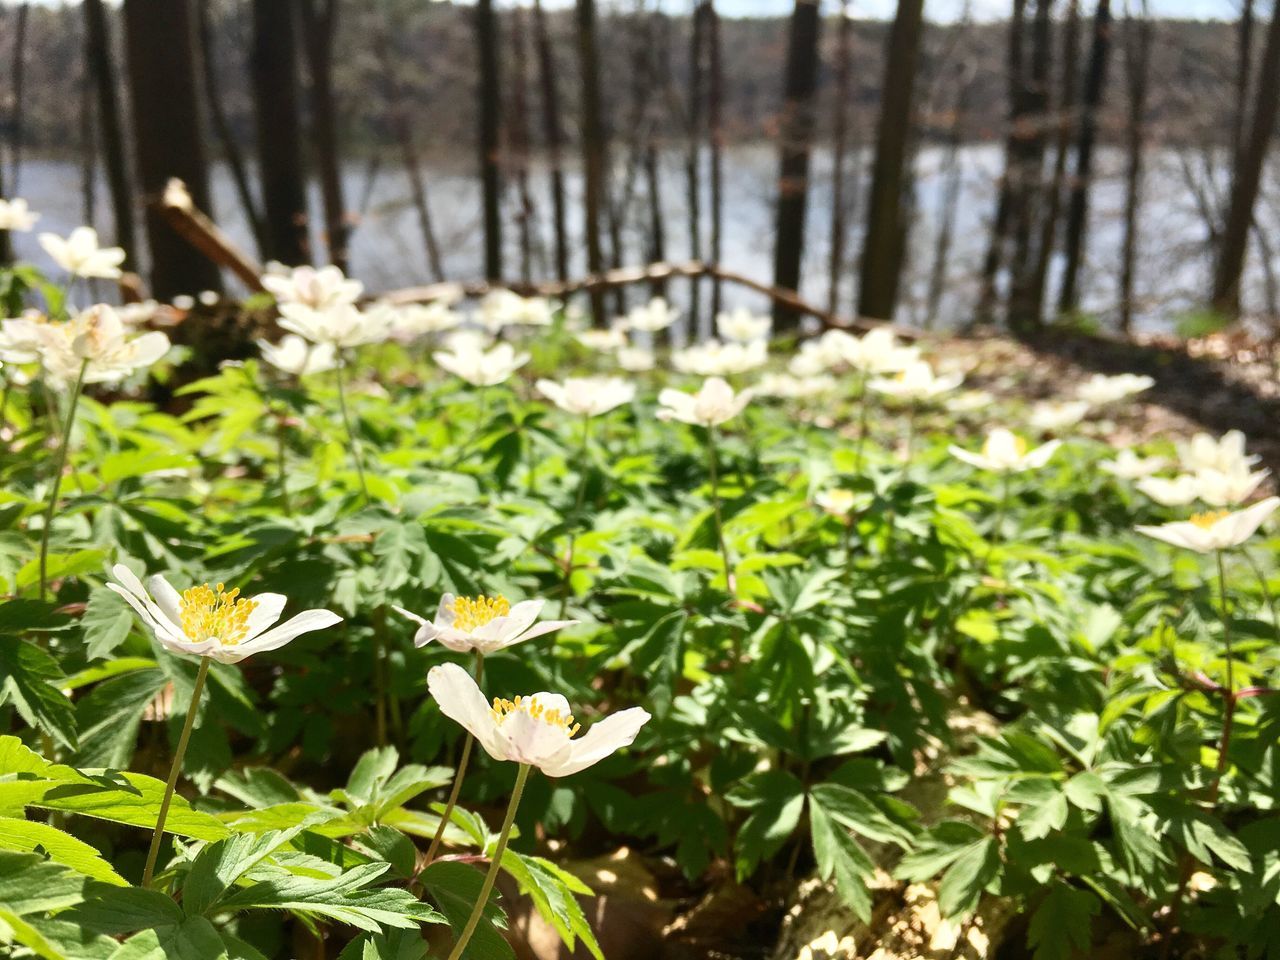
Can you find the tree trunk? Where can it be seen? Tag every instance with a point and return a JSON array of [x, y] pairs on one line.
[[878, 289], [231, 152], [658, 50], [1137, 48], [952, 172], [1248, 176], [168, 140], [715, 132], [840, 143], [18, 82], [490, 126], [594, 164], [273, 69], [1078, 207], [520, 144], [553, 134], [1244, 73], [111, 131], [693, 186], [319, 21], [796, 135], [1065, 128], [88, 151]]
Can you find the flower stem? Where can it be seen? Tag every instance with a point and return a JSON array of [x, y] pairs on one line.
[[282, 464], [176, 768], [64, 441], [457, 778], [577, 511], [351, 434], [862, 424], [494, 865], [713, 466], [1229, 692]]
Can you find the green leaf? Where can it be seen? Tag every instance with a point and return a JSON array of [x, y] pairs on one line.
[[31, 682], [26, 836], [221, 864], [552, 891], [107, 621], [775, 799], [114, 911], [859, 813], [1061, 926], [977, 866], [396, 945], [129, 798], [110, 715], [31, 884], [838, 855], [454, 888], [372, 770]]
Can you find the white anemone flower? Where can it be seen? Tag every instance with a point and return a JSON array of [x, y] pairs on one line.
[[1229, 488], [414, 320], [1176, 492], [1056, 416], [838, 503], [711, 406], [636, 359], [318, 288], [789, 387], [971, 401], [20, 337], [483, 368], [588, 396], [916, 383], [876, 352], [482, 624], [1226, 454], [715, 359], [537, 730], [1127, 465], [497, 309], [298, 357], [811, 360], [653, 316], [1100, 390], [214, 622], [606, 340], [341, 325], [96, 336], [16, 216], [1005, 452], [80, 255], [743, 326], [1218, 530]]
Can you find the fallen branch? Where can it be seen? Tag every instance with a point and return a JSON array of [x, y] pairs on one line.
[[194, 226]]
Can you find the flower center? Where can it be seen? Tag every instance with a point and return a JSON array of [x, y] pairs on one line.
[[471, 614], [215, 613], [1206, 520], [529, 705]]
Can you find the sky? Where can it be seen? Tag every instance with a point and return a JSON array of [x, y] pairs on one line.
[[937, 10]]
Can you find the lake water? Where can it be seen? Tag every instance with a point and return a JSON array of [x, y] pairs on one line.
[[387, 250]]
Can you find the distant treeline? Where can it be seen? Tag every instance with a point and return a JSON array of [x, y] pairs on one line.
[[434, 59]]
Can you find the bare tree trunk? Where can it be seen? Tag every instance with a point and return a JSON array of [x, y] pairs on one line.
[[402, 130], [796, 136], [553, 134], [88, 151], [101, 66], [490, 126], [594, 164], [273, 70], [1244, 72], [1005, 200], [953, 178], [1248, 176], [1062, 147], [231, 152], [840, 143], [692, 162], [18, 82], [1137, 49], [658, 58], [520, 144], [715, 132], [1078, 207], [319, 22], [878, 289], [168, 140]]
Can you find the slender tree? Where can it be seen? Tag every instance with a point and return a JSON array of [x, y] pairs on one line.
[[658, 66], [881, 256], [594, 163], [110, 129], [1244, 74], [553, 136], [1248, 175], [319, 21], [693, 156], [796, 136], [168, 138], [490, 116], [952, 179], [715, 137], [1138, 30], [839, 147], [1078, 207], [18, 74], [273, 70], [520, 143]]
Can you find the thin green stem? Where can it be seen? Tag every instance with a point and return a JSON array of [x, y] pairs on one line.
[[1229, 693], [863, 413], [713, 465], [566, 583], [494, 865], [149, 871], [457, 778], [352, 442], [995, 538], [1267, 595], [282, 466], [64, 441]]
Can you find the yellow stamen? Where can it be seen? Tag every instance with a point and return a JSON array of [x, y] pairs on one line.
[[1206, 520], [215, 613], [471, 614], [529, 705]]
